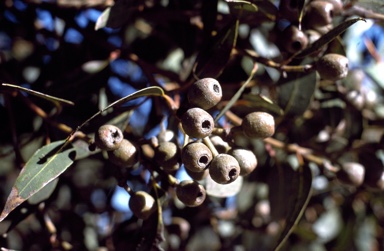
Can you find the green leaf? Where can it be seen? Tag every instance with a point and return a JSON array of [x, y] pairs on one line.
[[44, 193], [55, 100], [328, 37], [240, 7], [237, 94], [290, 191], [212, 60], [44, 166], [259, 102], [254, 11], [295, 92], [149, 91]]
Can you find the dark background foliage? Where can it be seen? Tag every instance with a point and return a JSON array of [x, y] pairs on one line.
[[65, 49]]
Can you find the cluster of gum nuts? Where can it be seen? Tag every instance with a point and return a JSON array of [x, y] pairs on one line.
[[203, 153], [317, 20]]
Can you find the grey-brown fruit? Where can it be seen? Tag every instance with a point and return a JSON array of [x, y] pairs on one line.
[[196, 156], [197, 123], [224, 169], [247, 160], [332, 66], [191, 193], [142, 204], [289, 10], [351, 173], [108, 137], [205, 93], [293, 39], [167, 155], [126, 155], [258, 125], [318, 14]]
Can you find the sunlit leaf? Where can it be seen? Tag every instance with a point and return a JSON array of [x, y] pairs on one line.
[[328, 37], [44, 166], [50, 98], [117, 15], [290, 191], [295, 92], [212, 60], [145, 92], [222, 191], [103, 19], [94, 66]]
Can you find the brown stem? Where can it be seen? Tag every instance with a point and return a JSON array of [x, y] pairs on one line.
[[294, 148]]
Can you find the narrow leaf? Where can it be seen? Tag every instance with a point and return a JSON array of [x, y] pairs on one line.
[[240, 7], [94, 66], [328, 37], [44, 166], [237, 94], [212, 60], [103, 19], [294, 188], [149, 91], [259, 102], [295, 92], [50, 98], [119, 14]]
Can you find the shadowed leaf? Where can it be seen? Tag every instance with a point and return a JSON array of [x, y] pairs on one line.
[[260, 102], [328, 37], [44, 193], [213, 59], [295, 92], [240, 7], [290, 191], [44, 166], [57, 101]]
